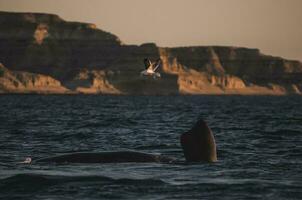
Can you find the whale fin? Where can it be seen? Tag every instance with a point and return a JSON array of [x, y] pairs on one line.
[[199, 143]]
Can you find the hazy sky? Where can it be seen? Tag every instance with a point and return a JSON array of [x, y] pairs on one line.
[[273, 26]]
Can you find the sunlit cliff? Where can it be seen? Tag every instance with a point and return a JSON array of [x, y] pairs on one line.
[[42, 53]]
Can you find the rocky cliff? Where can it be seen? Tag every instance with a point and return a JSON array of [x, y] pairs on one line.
[[45, 54], [25, 82]]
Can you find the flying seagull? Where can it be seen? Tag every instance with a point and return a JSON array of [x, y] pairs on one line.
[[150, 68]]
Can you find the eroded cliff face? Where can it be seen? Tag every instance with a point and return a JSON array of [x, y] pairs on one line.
[[25, 82], [92, 82], [42, 51], [46, 44], [231, 70]]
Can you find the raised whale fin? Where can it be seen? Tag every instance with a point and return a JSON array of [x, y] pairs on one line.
[[199, 143]]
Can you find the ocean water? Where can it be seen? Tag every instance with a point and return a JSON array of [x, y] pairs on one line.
[[259, 143]]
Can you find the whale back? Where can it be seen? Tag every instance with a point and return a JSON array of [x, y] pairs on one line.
[[199, 143], [106, 157]]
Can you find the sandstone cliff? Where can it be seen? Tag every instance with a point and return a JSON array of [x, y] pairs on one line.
[[43, 53], [25, 82], [231, 70]]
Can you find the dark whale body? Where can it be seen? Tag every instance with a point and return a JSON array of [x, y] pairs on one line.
[[106, 157], [198, 146]]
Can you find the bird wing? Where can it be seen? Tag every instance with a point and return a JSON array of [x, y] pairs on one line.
[[147, 63], [157, 64]]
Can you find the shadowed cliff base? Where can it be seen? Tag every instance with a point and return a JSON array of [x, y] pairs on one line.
[[42, 53]]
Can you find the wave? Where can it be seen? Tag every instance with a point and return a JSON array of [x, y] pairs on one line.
[[156, 146], [282, 132], [34, 181]]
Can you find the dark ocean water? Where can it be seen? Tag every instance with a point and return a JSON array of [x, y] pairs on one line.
[[259, 141]]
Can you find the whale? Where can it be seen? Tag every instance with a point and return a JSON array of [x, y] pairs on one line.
[[198, 145], [106, 157]]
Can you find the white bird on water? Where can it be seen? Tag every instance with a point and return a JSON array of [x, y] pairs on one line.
[[27, 161]]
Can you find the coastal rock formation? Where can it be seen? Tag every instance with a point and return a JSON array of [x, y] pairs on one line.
[[84, 59], [46, 44], [25, 82], [231, 70], [92, 82], [41, 33]]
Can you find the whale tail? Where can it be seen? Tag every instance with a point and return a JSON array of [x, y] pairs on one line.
[[26, 161]]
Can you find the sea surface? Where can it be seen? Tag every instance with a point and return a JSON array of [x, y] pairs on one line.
[[259, 143]]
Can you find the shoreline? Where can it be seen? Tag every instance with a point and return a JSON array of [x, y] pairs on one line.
[[107, 94]]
